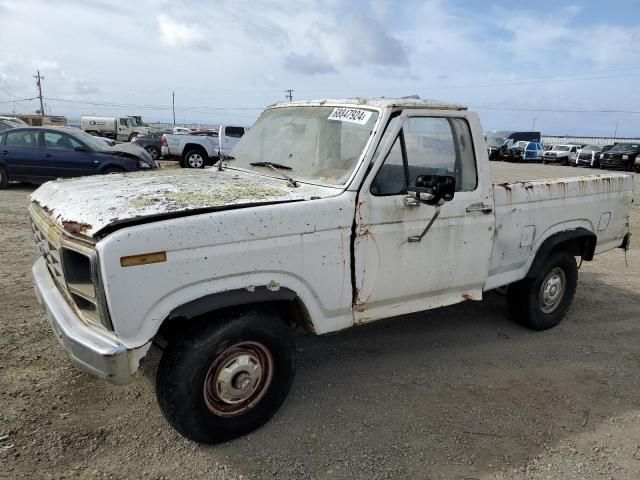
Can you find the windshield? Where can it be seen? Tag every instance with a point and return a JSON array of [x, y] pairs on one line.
[[562, 148], [95, 144], [624, 146], [134, 122], [319, 144], [496, 142]]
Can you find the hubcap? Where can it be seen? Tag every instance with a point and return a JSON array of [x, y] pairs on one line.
[[153, 152], [238, 379], [195, 160], [552, 290]]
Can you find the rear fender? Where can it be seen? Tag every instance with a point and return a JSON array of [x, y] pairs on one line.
[[579, 241]]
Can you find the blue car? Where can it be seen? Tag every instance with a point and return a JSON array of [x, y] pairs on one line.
[[39, 154]]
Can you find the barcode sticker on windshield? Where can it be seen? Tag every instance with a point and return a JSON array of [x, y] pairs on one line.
[[352, 115]]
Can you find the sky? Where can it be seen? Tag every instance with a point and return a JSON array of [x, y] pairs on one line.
[[564, 68]]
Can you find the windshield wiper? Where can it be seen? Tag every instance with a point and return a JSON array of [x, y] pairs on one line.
[[277, 167]]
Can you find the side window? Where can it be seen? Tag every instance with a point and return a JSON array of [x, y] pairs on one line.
[[433, 146], [22, 138], [124, 122], [59, 141], [235, 132]]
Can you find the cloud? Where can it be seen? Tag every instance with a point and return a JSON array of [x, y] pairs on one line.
[[308, 64], [182, 35]]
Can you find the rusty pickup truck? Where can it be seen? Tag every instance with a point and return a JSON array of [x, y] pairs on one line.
[[325, 215]]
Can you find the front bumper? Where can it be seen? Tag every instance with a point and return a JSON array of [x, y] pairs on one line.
[[91, 348]]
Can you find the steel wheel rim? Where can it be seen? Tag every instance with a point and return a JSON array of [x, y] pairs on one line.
[[552, 290], [195, 160], [238, 379]]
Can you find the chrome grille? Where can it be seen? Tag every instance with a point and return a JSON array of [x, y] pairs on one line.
[[73, 268], [51, 253]]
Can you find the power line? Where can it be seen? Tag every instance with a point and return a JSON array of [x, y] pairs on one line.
[[17, 100], [289, 93]]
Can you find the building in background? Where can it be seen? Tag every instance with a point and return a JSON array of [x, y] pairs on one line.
[[46, 121]]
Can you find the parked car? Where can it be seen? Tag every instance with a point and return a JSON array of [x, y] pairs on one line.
[[12, 122], [38, 154], [564, 154], [498, 142], [181, 131], [622, 156], [330, 215], [524, 152], [152, 143], [589, 156], [196, 151]]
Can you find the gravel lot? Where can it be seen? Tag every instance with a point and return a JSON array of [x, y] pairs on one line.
[[456, 393]]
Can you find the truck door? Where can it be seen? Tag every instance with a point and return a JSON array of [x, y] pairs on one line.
[[124, 129], [394, 275], [229, 137]]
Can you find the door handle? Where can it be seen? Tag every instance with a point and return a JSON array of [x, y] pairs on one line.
[[47, 155], [479, 208], [409, 201], [5, 152]]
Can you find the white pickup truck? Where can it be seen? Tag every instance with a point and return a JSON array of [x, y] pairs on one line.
[[195, 150], [330, 214]]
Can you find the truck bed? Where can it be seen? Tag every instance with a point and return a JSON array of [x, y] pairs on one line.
[[533, 201], [504, 172]]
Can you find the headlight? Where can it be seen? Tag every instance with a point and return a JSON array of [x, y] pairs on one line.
[[625, 157], [602, 156]]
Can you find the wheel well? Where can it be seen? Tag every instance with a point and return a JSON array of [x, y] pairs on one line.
[[194, 146], [579, 242], [284, 302]]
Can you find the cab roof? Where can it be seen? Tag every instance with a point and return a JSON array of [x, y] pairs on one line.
[[381, 102]]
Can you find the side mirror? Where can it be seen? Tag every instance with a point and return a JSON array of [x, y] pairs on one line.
[[433, 189]]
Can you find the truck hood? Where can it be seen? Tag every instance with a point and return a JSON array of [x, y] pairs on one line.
[[86, 206]]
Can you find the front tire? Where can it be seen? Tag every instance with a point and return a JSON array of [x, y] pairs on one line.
[[153, 151], [541, 302], [223, 379]]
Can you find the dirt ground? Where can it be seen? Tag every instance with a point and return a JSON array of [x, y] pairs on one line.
[[456, 393]]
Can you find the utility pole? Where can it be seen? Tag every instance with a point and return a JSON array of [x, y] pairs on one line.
[[615, 133], [533, 127], [173, 106], [289, 93], [39, 84]]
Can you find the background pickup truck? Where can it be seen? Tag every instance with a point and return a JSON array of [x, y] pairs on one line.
[[196, 151], [327, 215]]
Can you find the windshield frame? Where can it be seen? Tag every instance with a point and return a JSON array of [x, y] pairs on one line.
[[307, 181]]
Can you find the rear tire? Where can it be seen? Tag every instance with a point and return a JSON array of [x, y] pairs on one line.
[[194, 159], [4, 178], [220, 380], [541, 302]]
